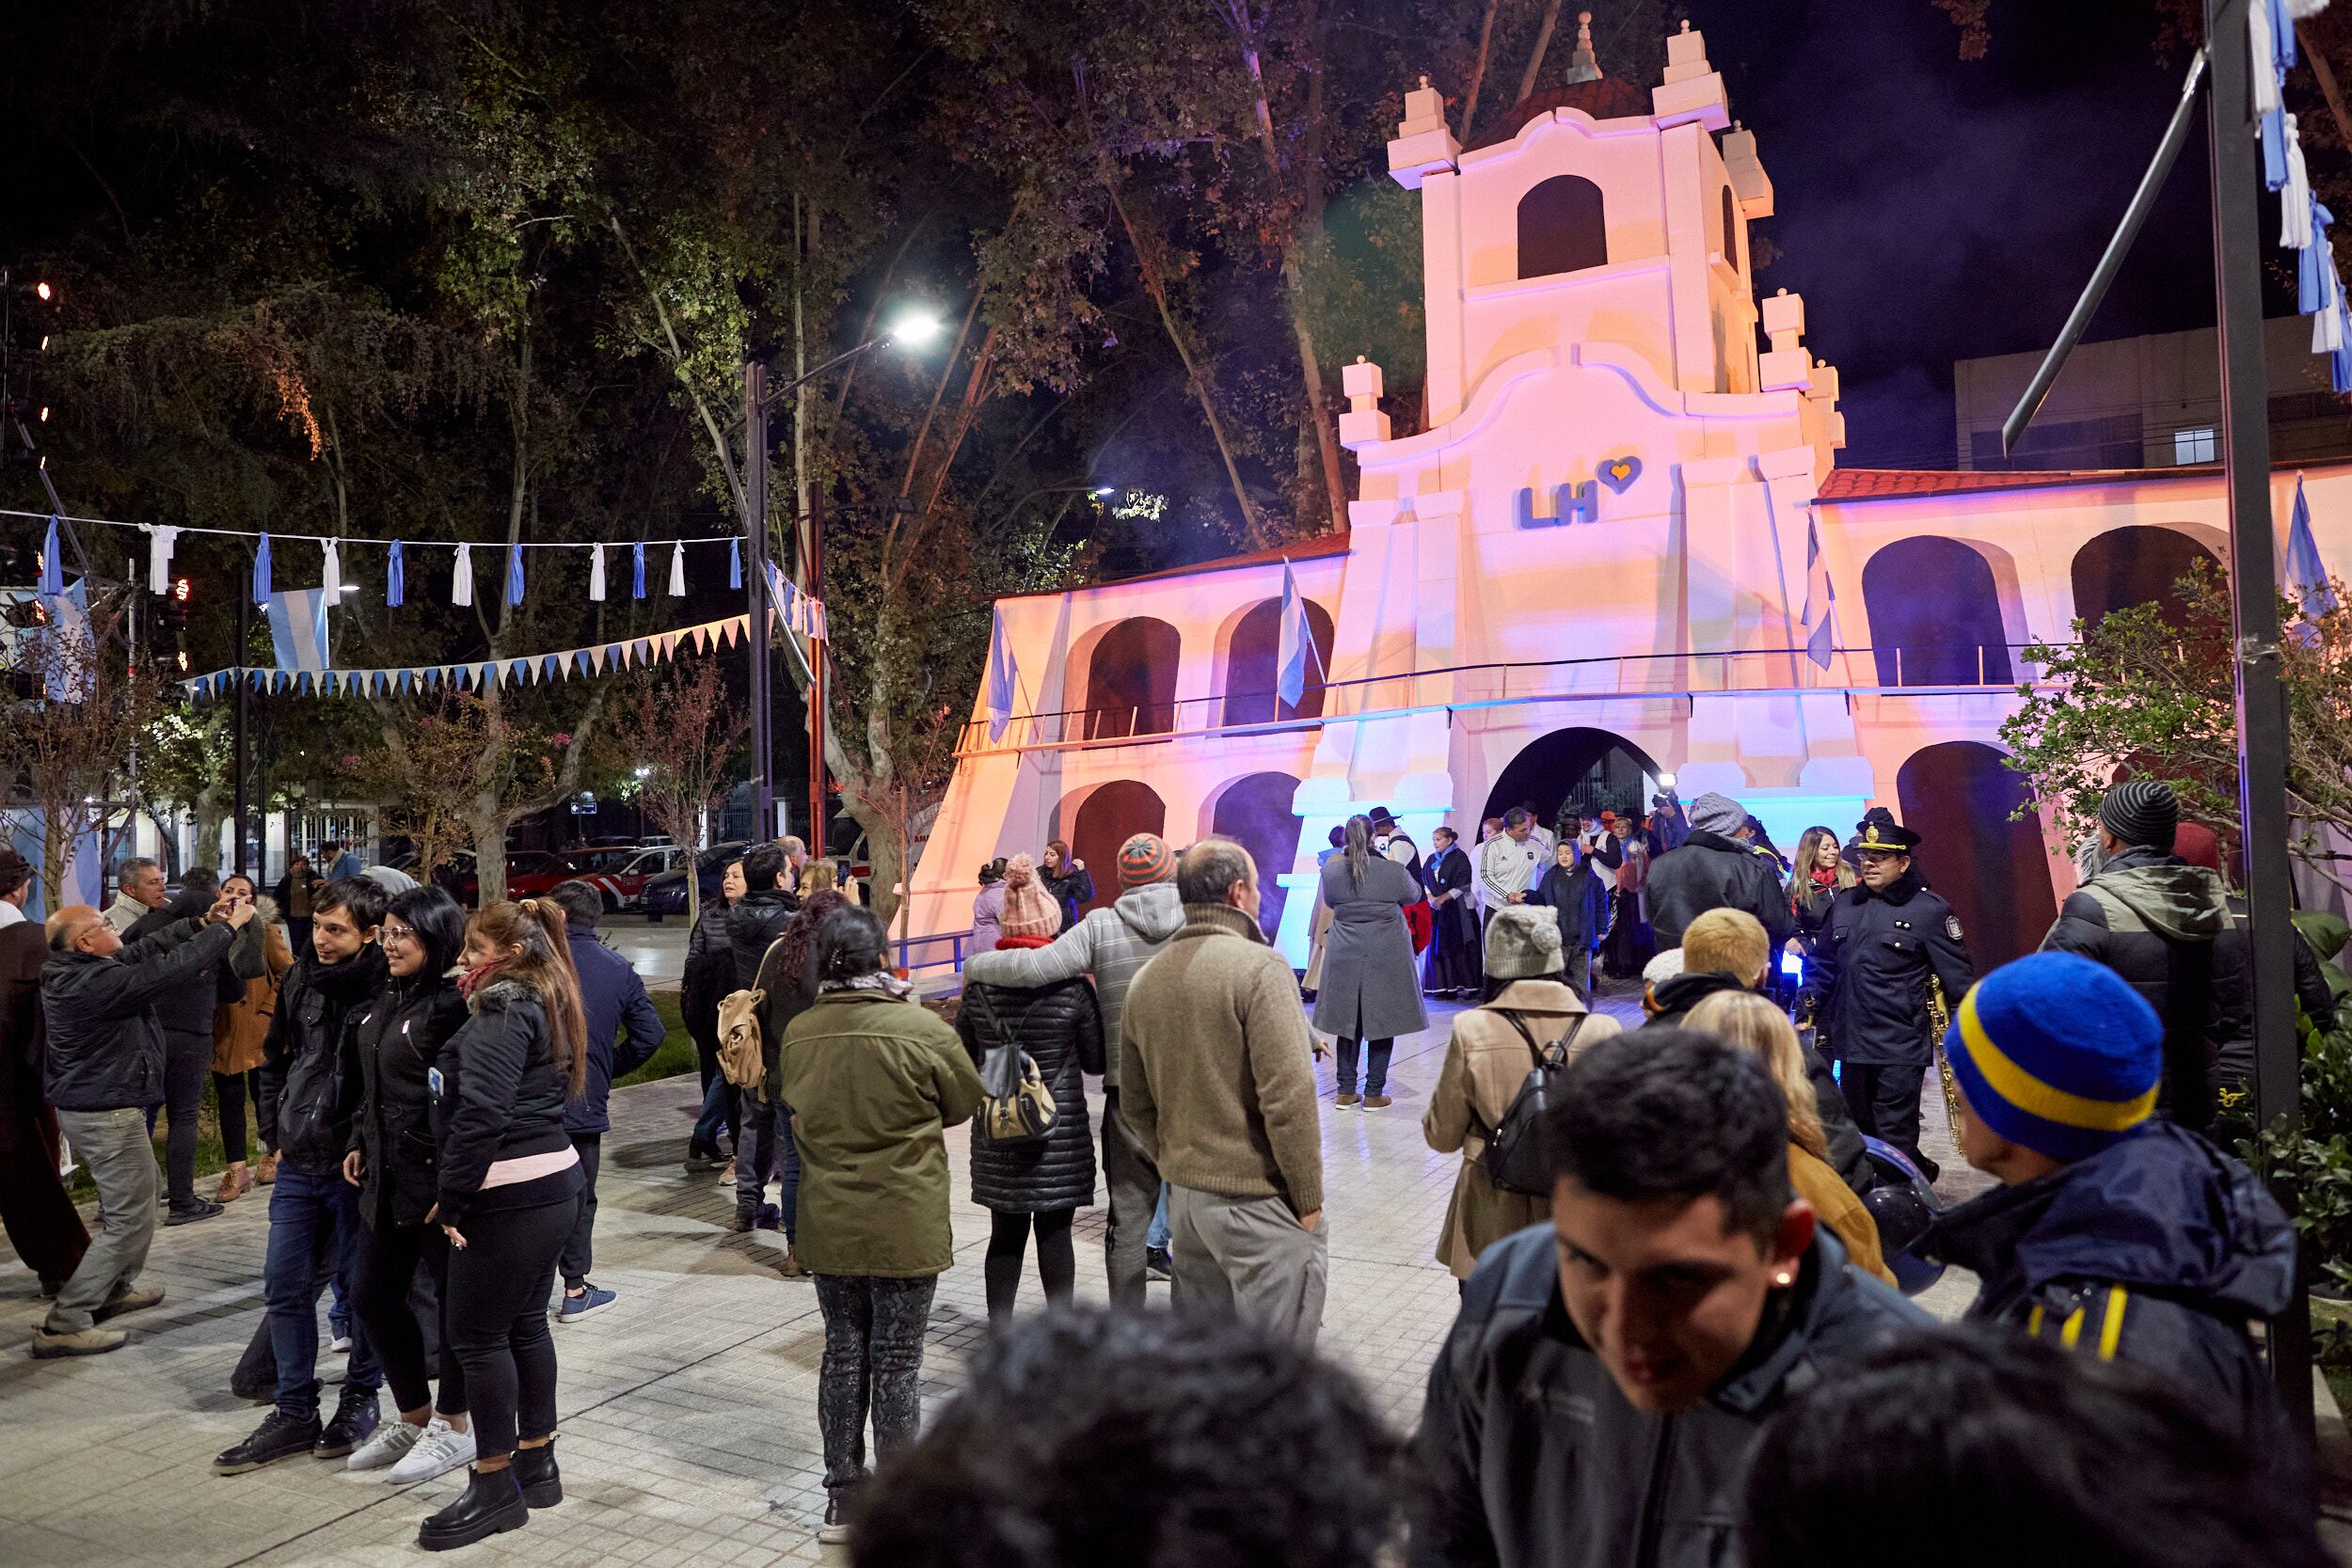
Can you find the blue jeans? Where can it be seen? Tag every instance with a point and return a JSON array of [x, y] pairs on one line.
[[765, 1151], [1157, 1235], [719, 1108], [313, 1231]]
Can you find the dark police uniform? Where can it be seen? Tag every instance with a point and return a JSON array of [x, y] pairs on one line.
[[1868, 987]]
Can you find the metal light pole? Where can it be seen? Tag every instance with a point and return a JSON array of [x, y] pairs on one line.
[[755, 586], [245, 687], [2262, 714], [815, 564]]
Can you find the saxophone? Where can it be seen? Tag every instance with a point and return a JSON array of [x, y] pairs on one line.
[[1940, 1020]]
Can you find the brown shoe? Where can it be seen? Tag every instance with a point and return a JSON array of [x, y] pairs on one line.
[[266, 1172], [1375, 1102], [48, 1342], [129, 1298], [1348, 1099], [793, 1268], [234, 1183]]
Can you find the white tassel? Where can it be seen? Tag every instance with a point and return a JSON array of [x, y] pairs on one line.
[[2266, 53], [678, 571], [461, 586], [2295, 200], [159, 557], [331, 571], [596, 573], [2303, 10]]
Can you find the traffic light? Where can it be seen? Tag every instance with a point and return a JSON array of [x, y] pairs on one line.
[[172, 628]]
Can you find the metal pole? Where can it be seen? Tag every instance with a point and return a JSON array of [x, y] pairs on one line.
[[756, 523], [815, 586], [2262, 717], [245, 613], [2144, 199]]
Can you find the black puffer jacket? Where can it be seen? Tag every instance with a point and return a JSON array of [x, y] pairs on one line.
[[2155, 920], [394, 1045], [501, 1093], [756, 919], [1712, 872], [186, 1012], [1060, 1027], [105, 1051], [710, 971], [309, 1090]]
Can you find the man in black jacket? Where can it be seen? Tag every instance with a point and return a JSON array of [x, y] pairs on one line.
[[186, 1013], [767, 906], [2156, 920], [1715, 869], [1885, 942], [309, 1096], [105, 1069], [1606, 1382]]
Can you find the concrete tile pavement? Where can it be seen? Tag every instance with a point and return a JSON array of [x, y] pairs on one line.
[[688, 1408]]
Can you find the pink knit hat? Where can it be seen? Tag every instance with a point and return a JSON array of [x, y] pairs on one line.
[[1029, 909]]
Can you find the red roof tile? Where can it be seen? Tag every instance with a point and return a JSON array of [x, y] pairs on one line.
[[1303, 549], [1863, 485], [1604, 97]]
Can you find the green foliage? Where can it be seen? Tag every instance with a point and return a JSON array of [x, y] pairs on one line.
[[2310, 1170]]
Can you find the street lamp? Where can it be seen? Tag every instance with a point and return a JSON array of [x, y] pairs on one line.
[[910, 328]]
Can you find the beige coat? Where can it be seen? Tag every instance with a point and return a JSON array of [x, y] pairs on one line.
[[1485, 1064], [239, 1027]]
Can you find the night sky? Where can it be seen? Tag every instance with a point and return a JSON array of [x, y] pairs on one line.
[[1932, 208]]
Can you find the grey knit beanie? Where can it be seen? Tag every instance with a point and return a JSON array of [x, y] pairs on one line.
[[1523, 943], [1717, 814], [2142, 812]]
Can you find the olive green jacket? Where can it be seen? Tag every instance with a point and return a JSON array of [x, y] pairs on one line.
[[874, 1083]]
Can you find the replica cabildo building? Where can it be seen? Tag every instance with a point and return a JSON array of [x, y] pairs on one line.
[[1590, 575]]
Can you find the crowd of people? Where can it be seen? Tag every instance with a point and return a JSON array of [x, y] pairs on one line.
[[1682, 1248]]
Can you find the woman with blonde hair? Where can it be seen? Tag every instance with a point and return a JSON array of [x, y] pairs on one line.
[[819, 877], [1753, 1022], [508, 1192], [1822, 873]]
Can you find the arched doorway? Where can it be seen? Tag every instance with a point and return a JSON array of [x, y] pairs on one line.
[[2141, 564], [1106, 817], [1131, 680], [1935, 615], [1255, 811], [1586, 769], [1251, 675], [1994, 871]]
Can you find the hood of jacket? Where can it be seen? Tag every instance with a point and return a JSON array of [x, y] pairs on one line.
[[2161, 1210], [1686, 991], [1152, 911], [1537, 996], [500, 990], [265, 910], [2187, 903]]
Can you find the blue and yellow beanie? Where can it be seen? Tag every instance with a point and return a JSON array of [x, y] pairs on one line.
[[2057, 1055]]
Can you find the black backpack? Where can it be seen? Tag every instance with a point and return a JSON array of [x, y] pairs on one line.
[[1515, 1159]]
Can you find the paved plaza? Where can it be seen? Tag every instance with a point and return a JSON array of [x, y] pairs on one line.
[[688, 1429]]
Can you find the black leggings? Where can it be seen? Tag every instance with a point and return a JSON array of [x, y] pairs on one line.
[[387, 1268], [1056, 1264], [496, 1309], [230, 1090]]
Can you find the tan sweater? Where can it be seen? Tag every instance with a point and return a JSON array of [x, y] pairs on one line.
[[1218, 1081]]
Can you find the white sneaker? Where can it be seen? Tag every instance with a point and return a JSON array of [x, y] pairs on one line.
[[340, 1344], [387, 1445], [440, 1449]]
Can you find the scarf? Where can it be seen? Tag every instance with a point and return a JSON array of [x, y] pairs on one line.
[[890, 985], [471, 980]]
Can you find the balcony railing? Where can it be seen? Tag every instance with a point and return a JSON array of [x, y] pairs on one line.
[[1925, 669]]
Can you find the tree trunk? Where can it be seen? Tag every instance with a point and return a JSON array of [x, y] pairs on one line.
[[488, 824], [1478, 70], [1535, 60]]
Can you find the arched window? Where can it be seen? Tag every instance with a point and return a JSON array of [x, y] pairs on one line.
[[1255, 812], [1251, 675], [1993, 868], [2141, 564], [1107, 817], [1731, 232], [1131, 680], [1561, 227], [1935, 615]]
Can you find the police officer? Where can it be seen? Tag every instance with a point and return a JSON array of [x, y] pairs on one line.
[[1868, 985]]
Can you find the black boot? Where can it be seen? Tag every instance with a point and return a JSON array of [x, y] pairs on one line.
[[356, 1415], [746, 1213], [278, 1436], [542, 1482], [491, 1504]]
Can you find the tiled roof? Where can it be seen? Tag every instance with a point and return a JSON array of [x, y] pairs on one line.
[[1605, 98], [1863, 485], [1303, 549]]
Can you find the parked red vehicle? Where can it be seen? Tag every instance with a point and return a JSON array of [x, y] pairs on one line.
[[529, 874]]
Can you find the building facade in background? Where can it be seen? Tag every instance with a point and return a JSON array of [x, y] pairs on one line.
[[1592, 572]]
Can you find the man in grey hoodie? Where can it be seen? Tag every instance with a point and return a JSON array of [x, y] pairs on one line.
[[1111, 944], [2155, 919]]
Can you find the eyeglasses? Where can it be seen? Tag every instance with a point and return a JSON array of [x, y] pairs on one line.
[[397, 933]]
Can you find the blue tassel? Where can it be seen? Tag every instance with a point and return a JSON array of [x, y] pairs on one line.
[[735, 564], [395, 580], [2274, 140], [637, 569], [260, 573], [514, 574], [52, 563]]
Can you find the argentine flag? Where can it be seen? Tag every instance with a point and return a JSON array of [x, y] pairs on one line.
[[1003, 679], [298, 630], [1297, 644], [2306, 581], [1821, 599]]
